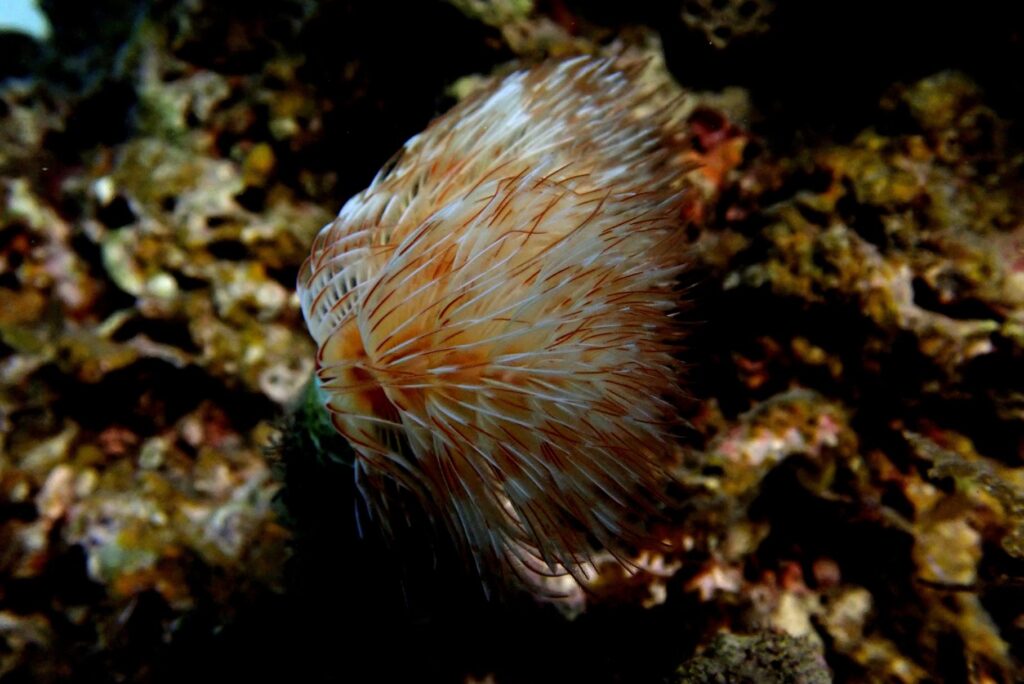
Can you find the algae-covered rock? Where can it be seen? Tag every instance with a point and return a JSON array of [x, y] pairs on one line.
[[758, 659], [177, 505]]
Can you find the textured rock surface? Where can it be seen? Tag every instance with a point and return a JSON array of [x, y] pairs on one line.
[[853, 472]]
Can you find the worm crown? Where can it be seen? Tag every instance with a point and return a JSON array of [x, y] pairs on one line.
[[493, 317]]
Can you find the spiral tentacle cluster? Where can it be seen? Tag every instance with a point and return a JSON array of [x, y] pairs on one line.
[[494, 316]]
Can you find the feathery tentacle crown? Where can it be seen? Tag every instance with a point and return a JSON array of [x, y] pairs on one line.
[[493, 316]]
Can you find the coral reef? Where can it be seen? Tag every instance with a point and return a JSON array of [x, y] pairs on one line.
[[723, 22], [175, 505]]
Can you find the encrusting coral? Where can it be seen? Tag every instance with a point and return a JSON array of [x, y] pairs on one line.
[[494, 316]]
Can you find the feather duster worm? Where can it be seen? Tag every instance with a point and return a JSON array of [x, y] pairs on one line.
[[494, 316]]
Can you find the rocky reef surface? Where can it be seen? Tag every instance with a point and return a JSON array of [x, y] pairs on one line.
[[173, 506]]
